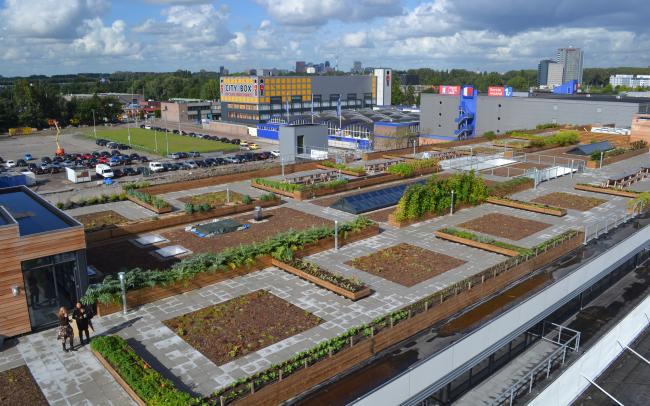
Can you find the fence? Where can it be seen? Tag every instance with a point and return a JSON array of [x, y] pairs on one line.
[[567, 339], [578, 165], [595, 230]]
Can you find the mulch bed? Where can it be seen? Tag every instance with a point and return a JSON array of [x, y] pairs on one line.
[[501, 225], [569, 201], [18, 387], [240, 326], [406, 264], [101, 219], [214, 199], [123, 255]]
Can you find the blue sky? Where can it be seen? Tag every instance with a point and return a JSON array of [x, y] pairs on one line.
[[69, 36]]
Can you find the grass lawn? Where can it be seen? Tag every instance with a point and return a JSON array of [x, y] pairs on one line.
[[146, 140]]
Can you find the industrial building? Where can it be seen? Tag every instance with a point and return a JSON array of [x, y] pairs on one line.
[[257, 99], [189, 110], [447, 117], [363, 129]]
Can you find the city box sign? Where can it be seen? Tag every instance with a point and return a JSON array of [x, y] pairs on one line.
[[500, 91], [251, 89], [449, 90]]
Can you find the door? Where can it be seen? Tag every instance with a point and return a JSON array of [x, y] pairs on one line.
[[300, 144], [47, 289]]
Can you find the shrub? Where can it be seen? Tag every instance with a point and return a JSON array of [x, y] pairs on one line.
[[147, 198], [401, 169], [640, 144], [205, 207], [267, 197], [435, 196], [490, 135], [547, 125], [189, 208], [150, 385], [246, 199], [276, 184]]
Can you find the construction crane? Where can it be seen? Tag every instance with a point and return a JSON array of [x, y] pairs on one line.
[[59, 151]]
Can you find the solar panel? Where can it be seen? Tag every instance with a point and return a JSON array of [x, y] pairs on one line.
[[374, 200]]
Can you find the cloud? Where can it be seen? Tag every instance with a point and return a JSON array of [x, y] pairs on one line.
[[316, 13], [178, 2], [48, 18], [356, 40], [102, 40]]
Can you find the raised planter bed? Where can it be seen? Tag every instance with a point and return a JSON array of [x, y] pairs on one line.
[[139, 297], [161, 210], [119, 379], [171, 220], [476, 244], [352, 295], [343, 171], [405, 223], [607, 191], [617, 158], [518, 204]]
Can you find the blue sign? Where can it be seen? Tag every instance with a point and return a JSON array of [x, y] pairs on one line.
[[507, 91]]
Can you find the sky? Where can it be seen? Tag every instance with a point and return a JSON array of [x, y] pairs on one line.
[[71, 36]]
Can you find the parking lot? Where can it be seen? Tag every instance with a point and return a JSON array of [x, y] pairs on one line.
[[82, 151]]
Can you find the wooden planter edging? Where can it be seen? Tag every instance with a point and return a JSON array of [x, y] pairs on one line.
[[343, 171], [147, 206], [525, 206], [306, 378], [119, 379], [143, 296], [171, 220], [617, 158], [607, 191], [322, 283], [476, 244]]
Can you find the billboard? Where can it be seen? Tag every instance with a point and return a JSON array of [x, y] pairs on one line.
[[500, 91], [248, 88], [468, 92], [450, 90]]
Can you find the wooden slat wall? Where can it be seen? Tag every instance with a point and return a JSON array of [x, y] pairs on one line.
[[14, 316]]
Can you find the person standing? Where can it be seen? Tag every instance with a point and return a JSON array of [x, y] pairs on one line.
[[82, 317], [65, 329]]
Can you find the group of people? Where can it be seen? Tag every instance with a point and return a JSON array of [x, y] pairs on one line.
[[83, 319]]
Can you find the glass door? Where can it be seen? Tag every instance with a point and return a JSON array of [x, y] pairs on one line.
[[41, 295], [66, 289]]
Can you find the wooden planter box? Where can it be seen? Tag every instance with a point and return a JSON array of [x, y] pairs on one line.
[[429, 216], [150, 207], [607, 191], [143, 296], [476, 244], [617, 158], [119, 379], [323, 283], [525, 206], [343, 171], [171, 220]]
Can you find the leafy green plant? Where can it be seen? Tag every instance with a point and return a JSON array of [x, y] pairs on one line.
[[490, 135], [147, 198], [485, 240], [108, 291], [150, 385], [276, 184], [246, 199], [267, 197], [310, 268], [546, 125], [359, 170]]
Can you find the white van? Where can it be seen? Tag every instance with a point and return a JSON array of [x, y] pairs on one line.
[[156, 167], [104, 171]]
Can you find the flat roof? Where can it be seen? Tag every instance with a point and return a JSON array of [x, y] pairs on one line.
[[33, 214]]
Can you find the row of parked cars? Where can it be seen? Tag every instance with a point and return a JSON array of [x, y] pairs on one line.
[[112, 144], [89, 160], [208, 162], [235, 141]]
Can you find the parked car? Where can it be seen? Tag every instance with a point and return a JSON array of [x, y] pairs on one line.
[[194, 154], [174, 155], [144, 159], [28, 157], [118, 173], [231, 160], [104, 171], [35, 168], [224, 139], [114, 161], [210, 162], [21, 163], [112, 145], [253, 146], [184, 155], [123, 146], [200, 163], [156, 167], [46, 159], [134, 156], [243, 143], [275, 153], [190, 165], [168, 166], [128, 171]]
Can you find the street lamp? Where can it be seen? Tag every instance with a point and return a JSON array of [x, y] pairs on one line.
[[94, 128]]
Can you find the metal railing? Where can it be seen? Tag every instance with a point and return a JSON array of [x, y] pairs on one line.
[[577, 164], [541, 371], [599, 228]]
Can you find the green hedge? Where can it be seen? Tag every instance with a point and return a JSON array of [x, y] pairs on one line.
[[108, 291], [93, 200], [147, 383], [293, 187], [546, 125], [435, 196], [407, 169]]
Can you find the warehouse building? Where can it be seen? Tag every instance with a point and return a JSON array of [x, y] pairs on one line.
[[189, 110], [257, 99], [449, 117]]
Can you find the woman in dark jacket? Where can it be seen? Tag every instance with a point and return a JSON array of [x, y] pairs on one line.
[[65, 329]]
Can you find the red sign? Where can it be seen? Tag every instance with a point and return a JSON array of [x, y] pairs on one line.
[[450, 90], [496, 91]]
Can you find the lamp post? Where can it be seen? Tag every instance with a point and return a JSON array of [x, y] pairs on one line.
[[336, 235], [601, 158], [94, 128], [451, 208], [122, 277]]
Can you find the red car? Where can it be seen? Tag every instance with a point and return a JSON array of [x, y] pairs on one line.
[[102, 160], [86, 156]]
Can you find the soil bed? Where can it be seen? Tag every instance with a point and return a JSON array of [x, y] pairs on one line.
[[124, 255], [569, 201], [237, 327], [18, 387], [406, 264], [214, 199], [501, 225], [100, 219]]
